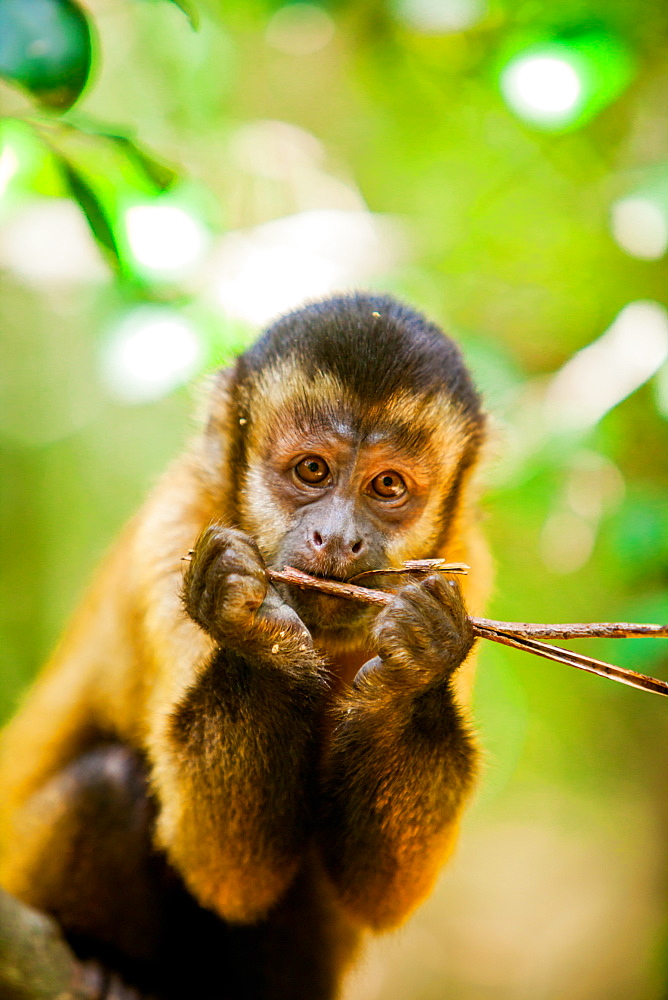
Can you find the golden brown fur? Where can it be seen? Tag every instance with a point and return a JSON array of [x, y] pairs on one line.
[[286, 798]]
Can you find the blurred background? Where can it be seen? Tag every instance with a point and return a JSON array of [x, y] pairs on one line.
[[173, 175]]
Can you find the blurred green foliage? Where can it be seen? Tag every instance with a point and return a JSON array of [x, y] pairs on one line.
[[509, 235]]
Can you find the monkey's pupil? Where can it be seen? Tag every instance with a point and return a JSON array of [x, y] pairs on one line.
[[389, 486], [312, 471]]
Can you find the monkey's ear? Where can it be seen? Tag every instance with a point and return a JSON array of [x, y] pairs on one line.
[[217, 413], [219, 402]]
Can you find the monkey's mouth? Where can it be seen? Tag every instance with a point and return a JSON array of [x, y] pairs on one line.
[[325, 611]]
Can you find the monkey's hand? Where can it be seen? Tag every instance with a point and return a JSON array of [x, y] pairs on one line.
[[241, 741], [425, 632], [226, 592]]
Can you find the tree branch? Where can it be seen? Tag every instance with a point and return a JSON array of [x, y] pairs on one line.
[[36, 963]]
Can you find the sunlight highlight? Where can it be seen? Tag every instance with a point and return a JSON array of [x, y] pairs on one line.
[[640, 227], [299, 29], [601, 375], [542, 87], [440, 16], [259, 273], [9, 165], [151, 352], [165, 239], [47, 242]]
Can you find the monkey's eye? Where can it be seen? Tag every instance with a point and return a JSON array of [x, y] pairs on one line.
[[312, 470], [388, 485]]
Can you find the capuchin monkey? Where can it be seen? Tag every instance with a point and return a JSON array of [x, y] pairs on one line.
[[219, 784]]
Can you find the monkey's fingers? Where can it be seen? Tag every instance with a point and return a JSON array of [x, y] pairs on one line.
[[426, 621], [225, 581]]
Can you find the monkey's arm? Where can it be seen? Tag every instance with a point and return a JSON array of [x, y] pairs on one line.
[[400, 760], [232, 764], [227, 736]]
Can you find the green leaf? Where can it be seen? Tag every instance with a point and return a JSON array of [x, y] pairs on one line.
[[116, 159], [105, 174], [190, 10], [161, 175], [95, 214]]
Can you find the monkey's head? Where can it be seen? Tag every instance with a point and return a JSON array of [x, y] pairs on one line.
[[354, 425]]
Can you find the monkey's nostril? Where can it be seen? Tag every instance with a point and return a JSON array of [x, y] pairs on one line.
[[317, 538], [357, 547]]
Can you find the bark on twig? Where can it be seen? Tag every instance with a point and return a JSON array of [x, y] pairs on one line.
[[336, 588], [582, 630]]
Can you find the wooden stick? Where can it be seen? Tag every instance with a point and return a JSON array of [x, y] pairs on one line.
[[593, 630], [523, 630], [296, 578], [417, 566], [520, 635], [579, 661]]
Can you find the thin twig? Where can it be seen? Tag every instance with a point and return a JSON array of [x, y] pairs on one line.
[[296, 578], [578, 660], [523, 630], [520, 635], [583, 630], [417, 566]]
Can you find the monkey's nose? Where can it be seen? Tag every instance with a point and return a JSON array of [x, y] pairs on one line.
[[336, 544]]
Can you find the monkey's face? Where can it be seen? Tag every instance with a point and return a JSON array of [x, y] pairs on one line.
[[342, 506], [338, 495]]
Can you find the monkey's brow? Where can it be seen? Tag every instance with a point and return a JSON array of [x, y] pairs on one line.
[[410, 438], [406, 437]]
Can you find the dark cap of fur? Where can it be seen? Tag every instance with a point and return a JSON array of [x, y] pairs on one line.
[[372, 355]]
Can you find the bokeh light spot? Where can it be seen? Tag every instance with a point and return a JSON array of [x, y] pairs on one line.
[[440, 16], [165, 239], [259, 273], [47, 242], [298, 29], [640, 226], [541, 87], [566, 543], [608, 370], [151, 352], [561, 82], [9, 165]]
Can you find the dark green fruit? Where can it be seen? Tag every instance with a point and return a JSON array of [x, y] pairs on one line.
[[45, 45]]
